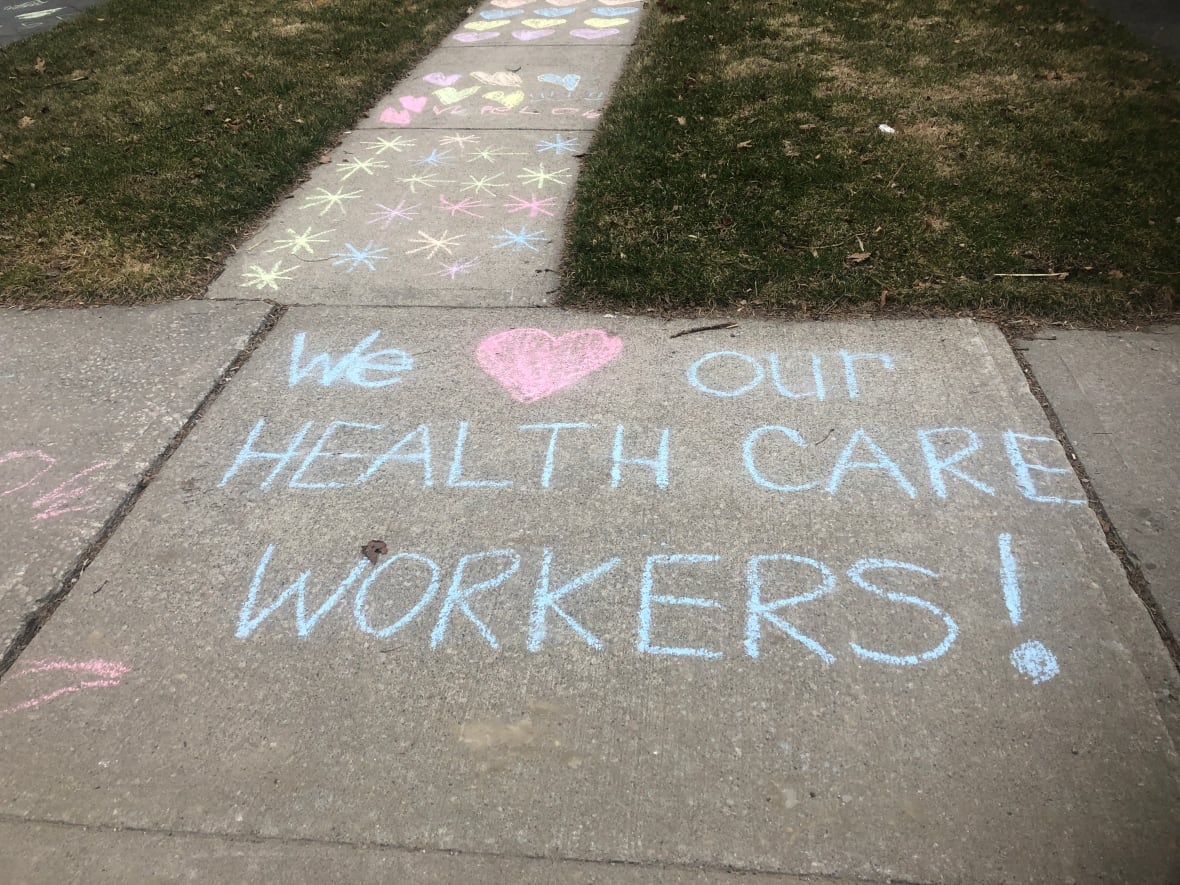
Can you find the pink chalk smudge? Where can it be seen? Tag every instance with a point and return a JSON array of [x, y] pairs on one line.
[[533, 35], [414, 103], [399, 118], [531, 363], [593, 34], [49, 461], [470, 37], [109, 672]]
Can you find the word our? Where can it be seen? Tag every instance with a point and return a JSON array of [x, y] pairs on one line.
[[476, 574], [104, 674], [59, 500], [351, 453]]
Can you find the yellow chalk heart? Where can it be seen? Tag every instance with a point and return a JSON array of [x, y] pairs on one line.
[[483, 26], [500, 78], [606, 22], [542, 22], [450, 95], [508, 99]]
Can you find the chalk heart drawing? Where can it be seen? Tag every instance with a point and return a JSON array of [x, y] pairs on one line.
[[400, 118], [569, 81], [555, 13], [468, 37], [440, 79], [508, 99], [592, 34], [85, 674], [531, 364], [533, 35], [449, 95], [482, 26], [413, 103], [499, 78], [542, 22], [510, 4], [601, 23]]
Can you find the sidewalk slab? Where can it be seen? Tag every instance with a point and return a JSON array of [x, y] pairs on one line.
[[23, 18], [88, 400], [504, 87], [553, 22], [1118, 398], [816, 600], [51, 854], [466, 218]]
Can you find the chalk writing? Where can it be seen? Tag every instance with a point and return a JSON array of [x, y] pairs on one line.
[[1031, 658], [108, 674], [62, 498], [536, 605]]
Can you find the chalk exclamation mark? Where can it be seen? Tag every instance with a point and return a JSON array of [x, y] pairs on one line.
[[1031, 658]]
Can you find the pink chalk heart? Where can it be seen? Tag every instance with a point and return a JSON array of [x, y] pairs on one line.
[[472, 37], [510, 4], [398, 118], [439, 79], [593, 33], [531, 363], [413, 103], [533, 35], [102, 674]]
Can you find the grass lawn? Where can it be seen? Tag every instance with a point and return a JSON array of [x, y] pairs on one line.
[[742, 163], [141, 139]]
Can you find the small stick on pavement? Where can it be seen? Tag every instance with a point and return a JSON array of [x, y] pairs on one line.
[[826, 435], [703, 329]]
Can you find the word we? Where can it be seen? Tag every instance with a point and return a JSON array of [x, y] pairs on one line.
[[57, 501]]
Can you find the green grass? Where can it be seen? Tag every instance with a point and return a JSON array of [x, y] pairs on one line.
[[140, 140], [741, 164]]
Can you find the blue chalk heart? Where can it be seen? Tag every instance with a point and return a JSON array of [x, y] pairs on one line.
[[609, 11], [569, 81], [550, 12], [497, 14]]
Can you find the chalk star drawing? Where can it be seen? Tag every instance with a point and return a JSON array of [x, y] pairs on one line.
[[559, 145], [352, 167], [539, 176], [492, 154], [433, 245], [355, 257], [485, 184], [427, 180], [327, 199], [455, 268], [303, 241], [460, 140], [397, 144], [465, 206], [386, 215], [434, 158], [258, 278], [522, 239], [535, 206]]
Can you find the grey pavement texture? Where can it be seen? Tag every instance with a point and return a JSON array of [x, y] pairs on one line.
[[1156, 21], [1118, 398], [23, 18], [863, 634], [88, 400], [66, 854]]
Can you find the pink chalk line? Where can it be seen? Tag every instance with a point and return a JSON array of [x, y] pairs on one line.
[[110, 671], [532, 364]]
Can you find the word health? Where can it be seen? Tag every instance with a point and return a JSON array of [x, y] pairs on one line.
[[941, 462]]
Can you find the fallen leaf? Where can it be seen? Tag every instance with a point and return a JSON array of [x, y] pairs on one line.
[[326, 158], [743, 144], [39, 67], [859, 257], [374, 550], [25, 122], [681, 121]]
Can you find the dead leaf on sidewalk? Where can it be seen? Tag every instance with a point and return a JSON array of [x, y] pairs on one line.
[[859, 257], [25, 122], [374, 550]]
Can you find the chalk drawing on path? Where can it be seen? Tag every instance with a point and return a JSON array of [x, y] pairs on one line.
[[65, 496], [86, 675], [443, 210], [532, 364]]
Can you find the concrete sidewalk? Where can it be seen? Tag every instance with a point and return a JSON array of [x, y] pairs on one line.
[[428, 584]]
